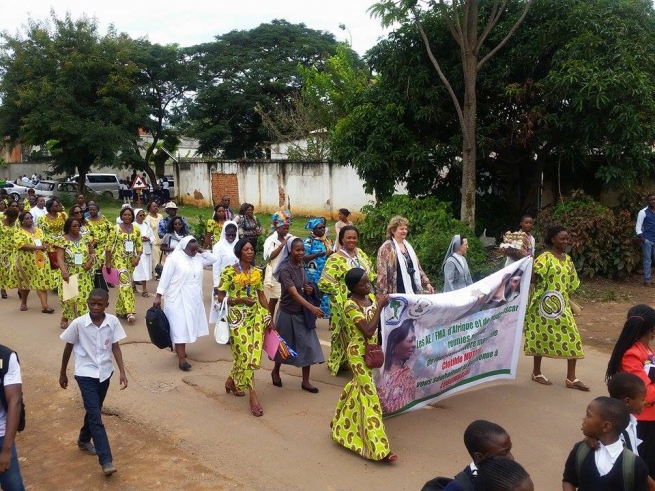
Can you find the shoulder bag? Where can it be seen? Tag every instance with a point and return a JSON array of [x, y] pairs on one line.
[[374, 356]]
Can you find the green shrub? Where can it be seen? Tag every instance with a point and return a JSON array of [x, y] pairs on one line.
[[199, 229], [431, 228], [602, 240]]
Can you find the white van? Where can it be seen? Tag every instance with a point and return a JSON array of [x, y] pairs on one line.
[[105, 184]]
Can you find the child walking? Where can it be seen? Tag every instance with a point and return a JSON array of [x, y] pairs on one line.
[[633, 354], [610, 467], [94, 338]]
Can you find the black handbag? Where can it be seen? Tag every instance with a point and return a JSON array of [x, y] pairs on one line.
[[99, 280], [158, 327]]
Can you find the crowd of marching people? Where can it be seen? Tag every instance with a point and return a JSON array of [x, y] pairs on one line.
[[47, 249]]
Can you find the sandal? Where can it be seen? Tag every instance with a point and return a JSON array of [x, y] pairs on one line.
[[4, 294], [390, 458], [63, 324], [184, 366], [131, 319], [47, 310], [256, 410], [231, 387], [577, 384], [23, 308], [541, 379], [145, 295]]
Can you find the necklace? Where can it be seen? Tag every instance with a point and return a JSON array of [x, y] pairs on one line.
[[354, 260], [75, 239], [249, 277]]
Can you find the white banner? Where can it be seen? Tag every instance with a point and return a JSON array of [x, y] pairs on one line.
[[438, 345]]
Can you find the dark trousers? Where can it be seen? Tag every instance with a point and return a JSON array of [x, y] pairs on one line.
[[93, 394], [11, 480], [646, 433]]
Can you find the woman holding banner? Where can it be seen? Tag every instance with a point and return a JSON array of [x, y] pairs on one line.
[[357, 423], [550, 328], [398, 268]]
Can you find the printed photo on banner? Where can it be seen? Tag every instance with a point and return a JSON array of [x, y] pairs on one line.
[[438, 345]]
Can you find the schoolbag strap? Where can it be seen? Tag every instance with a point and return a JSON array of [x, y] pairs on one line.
[[583, 451], [629, 463], [464, 481]]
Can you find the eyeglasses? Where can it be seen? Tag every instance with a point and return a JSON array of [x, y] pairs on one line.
[[78, 212]]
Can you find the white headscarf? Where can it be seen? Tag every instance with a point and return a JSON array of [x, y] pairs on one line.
[[223, 242], [181, 245], [285, 255]]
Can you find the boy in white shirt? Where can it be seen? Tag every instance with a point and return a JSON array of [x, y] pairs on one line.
[[94, 338], [10, 417]]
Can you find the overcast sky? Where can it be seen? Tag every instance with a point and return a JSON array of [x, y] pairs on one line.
[[187, 23]]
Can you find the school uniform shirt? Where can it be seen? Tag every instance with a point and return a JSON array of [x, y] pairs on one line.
[[591, 479], [631, 442], [92, 345], [12, 377]]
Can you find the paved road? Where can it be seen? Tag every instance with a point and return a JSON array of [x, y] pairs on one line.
[[290, 447]]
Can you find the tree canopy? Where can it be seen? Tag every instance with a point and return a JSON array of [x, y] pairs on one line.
[[64, 83], [569, 96], [245, 69]]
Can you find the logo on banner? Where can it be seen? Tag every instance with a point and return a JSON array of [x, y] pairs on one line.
[[397, 305], [552, 304], [420, 308]]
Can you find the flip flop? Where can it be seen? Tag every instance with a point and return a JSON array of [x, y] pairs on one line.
[[577, 384], [390, 458], [541, 379], [145, 295], [23, 308], [131, 319], [47, 311]]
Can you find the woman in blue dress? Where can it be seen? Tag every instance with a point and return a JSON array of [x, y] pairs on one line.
[[317, 249]]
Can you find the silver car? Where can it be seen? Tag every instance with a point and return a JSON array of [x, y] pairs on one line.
[[53, 189], [15, 191]]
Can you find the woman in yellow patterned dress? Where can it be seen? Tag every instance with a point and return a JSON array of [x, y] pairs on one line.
[[248, 318], [357, 423], [75, 256], [52, 224], [8, 229], [123, 251], [214, 226], [32, 264], [332, 284]]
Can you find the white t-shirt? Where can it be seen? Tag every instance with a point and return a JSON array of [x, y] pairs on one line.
[[12, 377], [37, 212], [92, 345]]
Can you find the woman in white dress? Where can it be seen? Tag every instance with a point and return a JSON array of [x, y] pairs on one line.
[[143, 271], [181, 286], [224, 251]]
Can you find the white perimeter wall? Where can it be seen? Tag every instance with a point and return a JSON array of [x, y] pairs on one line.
[[308, 188]]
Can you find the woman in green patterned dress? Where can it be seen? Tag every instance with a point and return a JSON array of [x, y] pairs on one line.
[[99, 228], [8, 229], [550, 328], [333, 285], [32, 264], [357, 423], [214, 226], [75, 256], [124, 248], [248, 318], [52, 224]]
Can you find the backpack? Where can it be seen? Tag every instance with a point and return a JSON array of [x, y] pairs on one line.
[[159, 329], [439, 483], [5, 353], [628, 468]]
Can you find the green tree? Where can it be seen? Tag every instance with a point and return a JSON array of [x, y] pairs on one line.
[[243, 69], [62, 81], [470, 28]]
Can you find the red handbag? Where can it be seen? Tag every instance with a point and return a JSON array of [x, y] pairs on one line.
[[52, 256], [374, 356]]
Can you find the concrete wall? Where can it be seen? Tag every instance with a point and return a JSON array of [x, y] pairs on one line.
[[307, 188]]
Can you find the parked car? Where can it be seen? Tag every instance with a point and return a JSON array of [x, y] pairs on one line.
[[54, 189], [15, 191], [105, 184]]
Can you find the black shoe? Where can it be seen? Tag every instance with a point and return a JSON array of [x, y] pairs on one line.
[[313, 390], [277, 383], [86, 447], [185, 367], [108, 469]]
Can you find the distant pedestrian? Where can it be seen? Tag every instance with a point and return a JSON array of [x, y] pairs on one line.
[[344, 221], [94, 338], [645, 230]]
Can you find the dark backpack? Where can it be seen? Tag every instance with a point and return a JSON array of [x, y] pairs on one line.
[[5, 353], [628, 469], [159, 329], [439, 483]]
